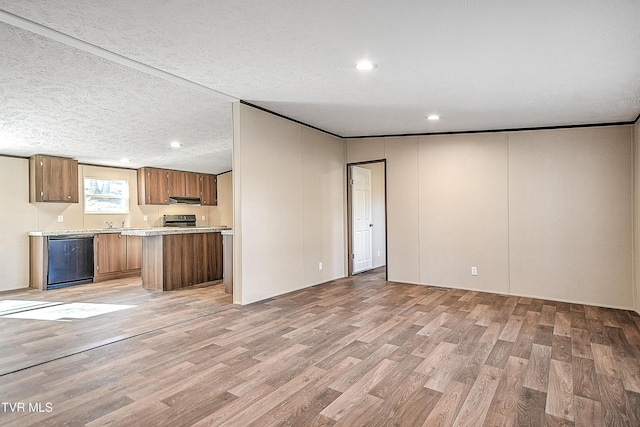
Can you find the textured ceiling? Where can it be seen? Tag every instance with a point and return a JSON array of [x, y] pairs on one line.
[[61, 100], [479, 64]]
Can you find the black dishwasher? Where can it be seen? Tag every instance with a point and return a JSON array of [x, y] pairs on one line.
[[70, 260]]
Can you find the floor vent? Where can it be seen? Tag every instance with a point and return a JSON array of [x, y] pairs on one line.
[[436, 288]]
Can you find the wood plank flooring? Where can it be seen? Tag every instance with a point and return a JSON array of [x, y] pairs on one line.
[[358, 351]]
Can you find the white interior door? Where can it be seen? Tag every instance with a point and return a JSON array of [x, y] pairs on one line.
[[361, 240]]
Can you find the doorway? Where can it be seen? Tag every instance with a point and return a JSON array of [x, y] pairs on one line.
[[367, 216]]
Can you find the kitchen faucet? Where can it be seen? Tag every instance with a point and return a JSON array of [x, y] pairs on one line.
[[109, 224]]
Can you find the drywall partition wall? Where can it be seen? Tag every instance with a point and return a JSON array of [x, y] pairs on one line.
[[636, 199], [379, 254], [237, 205], [272, 216], [506, 202], [17, 218], [289, 205], [323, 206], [570, 214], [463, 205], [403, 244]]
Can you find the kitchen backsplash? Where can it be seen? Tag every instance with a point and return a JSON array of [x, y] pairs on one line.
[[73, 216]]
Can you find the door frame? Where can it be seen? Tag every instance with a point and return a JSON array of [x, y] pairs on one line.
[[350, 217]]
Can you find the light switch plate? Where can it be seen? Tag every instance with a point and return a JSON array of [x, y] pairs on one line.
[[60, 218], [319, 266], [144, 217], [474, 271]]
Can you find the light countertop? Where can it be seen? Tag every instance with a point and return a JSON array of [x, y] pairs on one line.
[[161, 231], [150, 231]]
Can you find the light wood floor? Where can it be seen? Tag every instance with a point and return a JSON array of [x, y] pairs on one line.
[[356, 351]]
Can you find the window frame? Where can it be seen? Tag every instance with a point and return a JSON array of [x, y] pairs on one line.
[[125, 198]]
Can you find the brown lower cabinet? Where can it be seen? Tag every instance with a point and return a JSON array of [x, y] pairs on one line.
[[116, 256], [134, 253], [175, 261]]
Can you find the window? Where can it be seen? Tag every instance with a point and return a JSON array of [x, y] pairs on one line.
[[106, 196]]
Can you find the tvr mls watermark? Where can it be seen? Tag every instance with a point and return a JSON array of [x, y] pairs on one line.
[[10, 407]]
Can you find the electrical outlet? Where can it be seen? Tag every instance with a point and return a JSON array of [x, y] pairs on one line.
[[145, 218], [474, 271], [378, 253], [60, 218], [319, 266], [204, 217]]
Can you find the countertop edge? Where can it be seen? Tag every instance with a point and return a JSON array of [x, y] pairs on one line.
[[154, 231], [169, 230]]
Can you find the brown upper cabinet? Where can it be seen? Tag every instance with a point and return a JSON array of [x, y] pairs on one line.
[[192, 185], [176, 184], [209, 190], [153, 186], [184, 184], [53, 179], [156, 186]]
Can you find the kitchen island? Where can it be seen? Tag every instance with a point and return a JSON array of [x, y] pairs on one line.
[[175, 258]]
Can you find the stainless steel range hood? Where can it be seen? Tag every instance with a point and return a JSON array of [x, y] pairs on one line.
[[184, 201]]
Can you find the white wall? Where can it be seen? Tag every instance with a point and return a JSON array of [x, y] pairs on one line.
[[17, 218], [223, 213], [463, 202], [403, 213], [571, 214], [543, 213], [289, 188]]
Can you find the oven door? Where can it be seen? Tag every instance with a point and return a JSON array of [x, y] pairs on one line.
[[181, 224]]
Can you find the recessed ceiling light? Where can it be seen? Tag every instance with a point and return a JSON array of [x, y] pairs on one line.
[[365, 65], [433, 117], [176, 144], [125, 160]]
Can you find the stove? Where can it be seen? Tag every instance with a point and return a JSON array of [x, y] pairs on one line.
[[178, 220]]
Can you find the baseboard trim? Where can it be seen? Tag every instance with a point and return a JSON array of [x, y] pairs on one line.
[[522, 295]]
